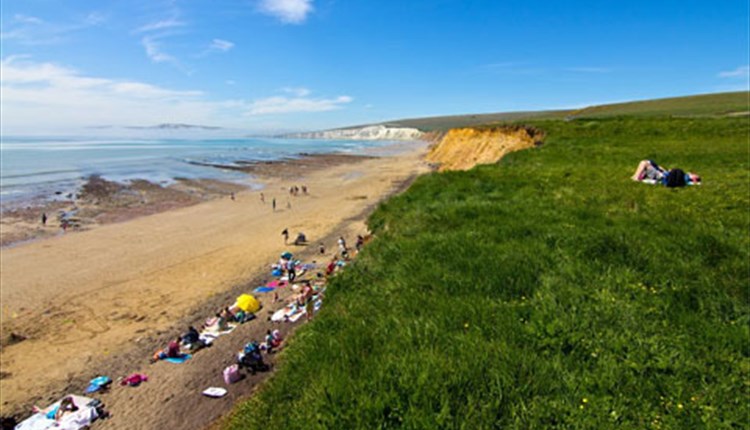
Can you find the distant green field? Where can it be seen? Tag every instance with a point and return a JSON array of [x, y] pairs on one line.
[[547, 291], [441, 123], [700, 105]]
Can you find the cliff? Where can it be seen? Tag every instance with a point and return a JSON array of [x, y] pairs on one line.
[[464, 148], [371, 132]]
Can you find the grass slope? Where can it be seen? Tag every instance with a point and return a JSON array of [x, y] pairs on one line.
[[548, 291], [699, 105], [441, 123]]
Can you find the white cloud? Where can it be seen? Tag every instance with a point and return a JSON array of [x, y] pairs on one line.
[[45, 96], [288, 11], [160, 25], [221, 45], [154, 52], [31, 30], [739, 72], [297, 91], [279, 104], [95, 18], [39, 96], [25, 19]]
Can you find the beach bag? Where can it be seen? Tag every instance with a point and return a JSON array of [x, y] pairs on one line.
[[232, 374], [676, 178]]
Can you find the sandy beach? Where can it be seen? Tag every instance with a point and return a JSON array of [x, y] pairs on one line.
[[97, 301]]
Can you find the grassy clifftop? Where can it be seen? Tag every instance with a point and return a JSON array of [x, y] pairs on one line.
[[700, 105], [546, 291]]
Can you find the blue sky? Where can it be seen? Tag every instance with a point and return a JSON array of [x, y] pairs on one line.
[[277, 65]]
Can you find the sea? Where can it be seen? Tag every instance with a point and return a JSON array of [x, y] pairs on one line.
[[48, 168]]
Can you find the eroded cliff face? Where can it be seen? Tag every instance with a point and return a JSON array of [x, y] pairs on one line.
[[464, 148]]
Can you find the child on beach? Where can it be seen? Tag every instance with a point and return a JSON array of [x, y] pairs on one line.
[[360, 242], [285, 233]]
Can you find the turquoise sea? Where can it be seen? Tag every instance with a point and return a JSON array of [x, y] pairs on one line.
[[43, 168]]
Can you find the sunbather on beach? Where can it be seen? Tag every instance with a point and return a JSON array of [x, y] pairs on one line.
[[192, 339], [171, 351], [272, 341], [66, 405]]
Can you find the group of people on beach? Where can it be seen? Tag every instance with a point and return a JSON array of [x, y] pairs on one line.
[[295, 190], [228, 317]]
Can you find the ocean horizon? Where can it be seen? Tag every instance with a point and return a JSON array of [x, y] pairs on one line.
[[46, 168]]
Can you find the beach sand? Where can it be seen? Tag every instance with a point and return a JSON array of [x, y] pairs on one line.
[[100, 301]]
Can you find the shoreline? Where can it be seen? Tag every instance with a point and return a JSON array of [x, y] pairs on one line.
[[151, 274], [113, 202]]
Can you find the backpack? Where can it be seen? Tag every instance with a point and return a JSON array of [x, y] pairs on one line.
[[231, 374], [675, 178]]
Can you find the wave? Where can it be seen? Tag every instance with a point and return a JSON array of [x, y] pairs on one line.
[[39, 173]]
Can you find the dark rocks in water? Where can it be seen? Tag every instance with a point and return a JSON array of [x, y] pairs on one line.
[[57, 193], [98, 188]]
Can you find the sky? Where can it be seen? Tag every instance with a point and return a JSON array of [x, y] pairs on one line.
[[267, 66]]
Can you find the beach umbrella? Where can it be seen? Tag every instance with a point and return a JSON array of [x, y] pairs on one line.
[[248, 303]]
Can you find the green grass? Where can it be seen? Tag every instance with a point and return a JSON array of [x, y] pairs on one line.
[[699, 105], [547, 291]]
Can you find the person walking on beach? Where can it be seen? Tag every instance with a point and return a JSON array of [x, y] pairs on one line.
[[231, 196], [322, 248], [360, 242], [262, 198], [44, 218], [285, 233], [273, 204]]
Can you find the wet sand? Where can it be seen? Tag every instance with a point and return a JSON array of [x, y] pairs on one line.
[[98, 301]]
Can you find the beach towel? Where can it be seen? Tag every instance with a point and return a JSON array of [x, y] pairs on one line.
[[76, 420], [284, 313], [214, 392], [98, 383], [134, 379], [177, 360], [277, 284], [263, 289]]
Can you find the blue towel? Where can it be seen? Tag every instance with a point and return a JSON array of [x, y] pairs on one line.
[[263, 289], [177, 360], [98, 383]]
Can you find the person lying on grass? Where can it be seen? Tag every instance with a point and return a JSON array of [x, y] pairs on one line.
[[649, 171]]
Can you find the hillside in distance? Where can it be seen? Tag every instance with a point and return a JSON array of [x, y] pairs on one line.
[[718, 104]]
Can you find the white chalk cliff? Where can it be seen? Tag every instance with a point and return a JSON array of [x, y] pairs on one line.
[[370, 132]]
